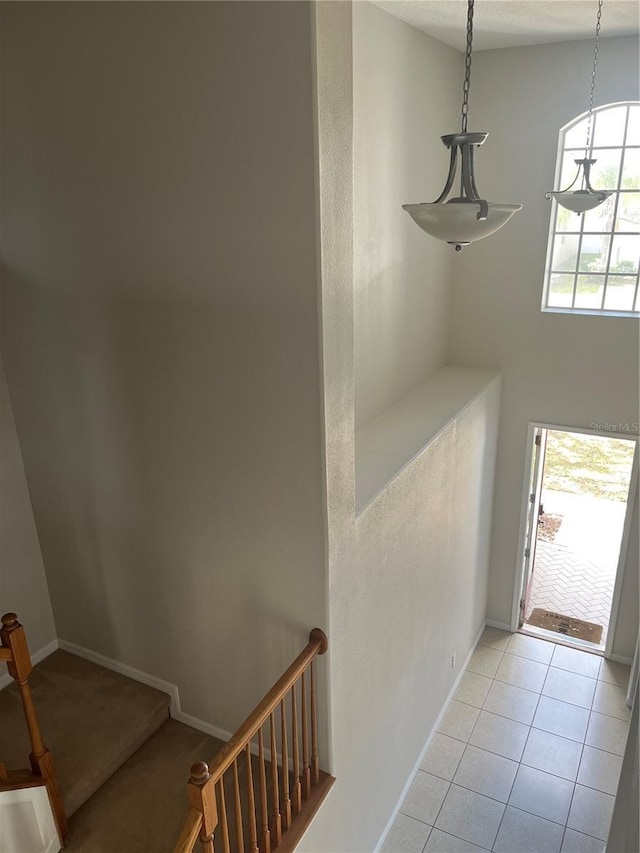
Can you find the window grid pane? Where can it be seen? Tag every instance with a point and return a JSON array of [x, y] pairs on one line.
[[593, 258]]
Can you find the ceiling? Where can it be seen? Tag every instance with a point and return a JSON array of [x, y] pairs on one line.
[[509, 23]]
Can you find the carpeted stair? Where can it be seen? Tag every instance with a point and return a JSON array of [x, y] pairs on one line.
[[122, 764]]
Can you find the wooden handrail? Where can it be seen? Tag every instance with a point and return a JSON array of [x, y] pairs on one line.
[[317, 645], [190, 830], [204, 778], [15, 652]]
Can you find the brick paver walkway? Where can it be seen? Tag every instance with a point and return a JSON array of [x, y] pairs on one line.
[[570, 584]]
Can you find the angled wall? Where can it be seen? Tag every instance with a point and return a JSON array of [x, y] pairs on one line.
[[408, 574]]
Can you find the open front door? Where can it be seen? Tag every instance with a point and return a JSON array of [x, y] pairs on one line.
[[533, 518]]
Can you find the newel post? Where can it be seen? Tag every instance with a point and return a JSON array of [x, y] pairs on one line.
[[202, 796], [20, 668]]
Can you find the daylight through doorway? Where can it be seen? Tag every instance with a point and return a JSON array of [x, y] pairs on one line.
[[579, 494]]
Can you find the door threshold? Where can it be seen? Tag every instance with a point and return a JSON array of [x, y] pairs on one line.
[[561, 640]]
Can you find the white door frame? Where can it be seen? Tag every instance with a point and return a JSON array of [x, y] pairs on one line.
[[538, 454], [624, 543], [633, 484]]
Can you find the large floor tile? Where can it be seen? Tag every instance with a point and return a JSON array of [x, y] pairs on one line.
[[611, 699], [473, 689], [522, 672], [531, 647], [600, 770], [614, 673], [569, 687], [577, 842], [470, 816], [443, 756], [407, 835], [495, 638], [561, 718], [512, 702], [553, 754], [485, 661], [591, 812], [542, 794], [424, 797], [486, 773], [500, 735], [576, 661], [608, 733], [459, 720], [442, 842], [527, 833]]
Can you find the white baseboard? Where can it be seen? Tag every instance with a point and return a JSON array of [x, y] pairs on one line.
[[622, 659], [502, 626], [172, 690], [36, 657], [129, 671], [430, 738], [223, 734], [167, 687], [201, 726]]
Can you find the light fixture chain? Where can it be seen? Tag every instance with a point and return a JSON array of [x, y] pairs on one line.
[[593, 79], [467, 66]]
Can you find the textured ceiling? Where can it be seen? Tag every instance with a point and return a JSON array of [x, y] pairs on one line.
[[509, 23]]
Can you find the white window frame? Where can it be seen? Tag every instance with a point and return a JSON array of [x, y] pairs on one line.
[[553, 221]]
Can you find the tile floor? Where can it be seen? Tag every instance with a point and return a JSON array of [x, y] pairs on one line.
[[526, 758]]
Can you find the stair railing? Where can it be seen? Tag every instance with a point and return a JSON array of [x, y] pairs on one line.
[[290, 785], [15, 652]]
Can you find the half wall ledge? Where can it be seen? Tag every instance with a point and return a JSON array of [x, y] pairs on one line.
[[386, 446]]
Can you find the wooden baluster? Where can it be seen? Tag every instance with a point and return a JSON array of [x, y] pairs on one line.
[[286, 800], [202, 796], [224, 824], [315, 764], [238, 809], [306, 769], [276, 823], [13, 638], [297, 787], [264, 808], [253, 832]]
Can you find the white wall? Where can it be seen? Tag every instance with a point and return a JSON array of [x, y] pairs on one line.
[[407, 578], [23, 585], [627, 627], [559, 369], [405, 85], [26, 822], [160, 332], [625, 821]]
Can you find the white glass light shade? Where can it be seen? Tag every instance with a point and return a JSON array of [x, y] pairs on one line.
[[580, 200], [458, 223]]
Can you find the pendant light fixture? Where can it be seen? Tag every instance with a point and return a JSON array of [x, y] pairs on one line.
[[585, 198], [467, 217]]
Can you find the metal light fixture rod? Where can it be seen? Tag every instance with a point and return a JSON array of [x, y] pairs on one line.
[[586, 198], [464, 142], [468, 216]]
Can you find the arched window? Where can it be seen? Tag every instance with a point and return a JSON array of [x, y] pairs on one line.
[[592, 258]]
